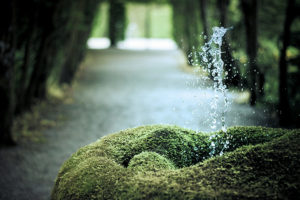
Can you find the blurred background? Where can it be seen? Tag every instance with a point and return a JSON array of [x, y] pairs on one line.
[[72, 71], [43, 43]]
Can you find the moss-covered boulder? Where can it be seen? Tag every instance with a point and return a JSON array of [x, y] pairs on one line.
[[150, 161], [169, 162]]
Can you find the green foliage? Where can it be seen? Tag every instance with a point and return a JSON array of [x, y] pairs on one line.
[[149, 20], [271, 16], [147, 1], [50, 43], [186, 25], [268, 58], [161, 21], [268, 169], [100, 24], [293, 54]]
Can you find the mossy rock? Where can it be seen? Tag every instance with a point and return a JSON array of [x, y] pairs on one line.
[[169, 162], [150, 161]]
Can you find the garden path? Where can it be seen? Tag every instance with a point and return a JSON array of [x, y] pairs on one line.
[[116, 89]]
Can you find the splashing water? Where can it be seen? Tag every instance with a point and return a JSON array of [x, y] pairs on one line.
[[210, 56]]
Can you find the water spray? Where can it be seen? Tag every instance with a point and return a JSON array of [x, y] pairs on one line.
[[210, 56]]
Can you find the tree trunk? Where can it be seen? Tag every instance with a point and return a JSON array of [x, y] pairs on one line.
[[203, 13], [28, 39], [178, 22], [76, 46], [36, 88], [116, 21], [191, 31], [188, 29], [284, 107], [6, 71], [26, 65], [185, 25], [45, 55], [231, 68], [148, 21], [249, 8]]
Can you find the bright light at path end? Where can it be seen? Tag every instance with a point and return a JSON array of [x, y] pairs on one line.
[[150, 44], [98, 43], [134, 44]]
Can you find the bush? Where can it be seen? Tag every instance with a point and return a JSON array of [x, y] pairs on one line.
[[168, 162]]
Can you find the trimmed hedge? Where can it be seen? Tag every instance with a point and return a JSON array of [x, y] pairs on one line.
[[169, 162]]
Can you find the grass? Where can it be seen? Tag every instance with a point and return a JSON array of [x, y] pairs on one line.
[[29, 126]]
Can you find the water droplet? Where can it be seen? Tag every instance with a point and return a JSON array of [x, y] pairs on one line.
[[211, 58]]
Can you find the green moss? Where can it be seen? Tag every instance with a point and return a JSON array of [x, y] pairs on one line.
[[150, 161], [87, 179], [168, 162], [181, 146], [236, 137]]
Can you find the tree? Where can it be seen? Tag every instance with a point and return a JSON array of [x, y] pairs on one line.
[[178, 22], [117, 21], [284, 107], [186, 26], [249, 8], [203, 14], [44, 63], [83, 13], [233, 74], [34, 36], [148, 21], [7, 52]]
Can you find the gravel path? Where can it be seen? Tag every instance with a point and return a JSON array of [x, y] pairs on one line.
[[117, 89]]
